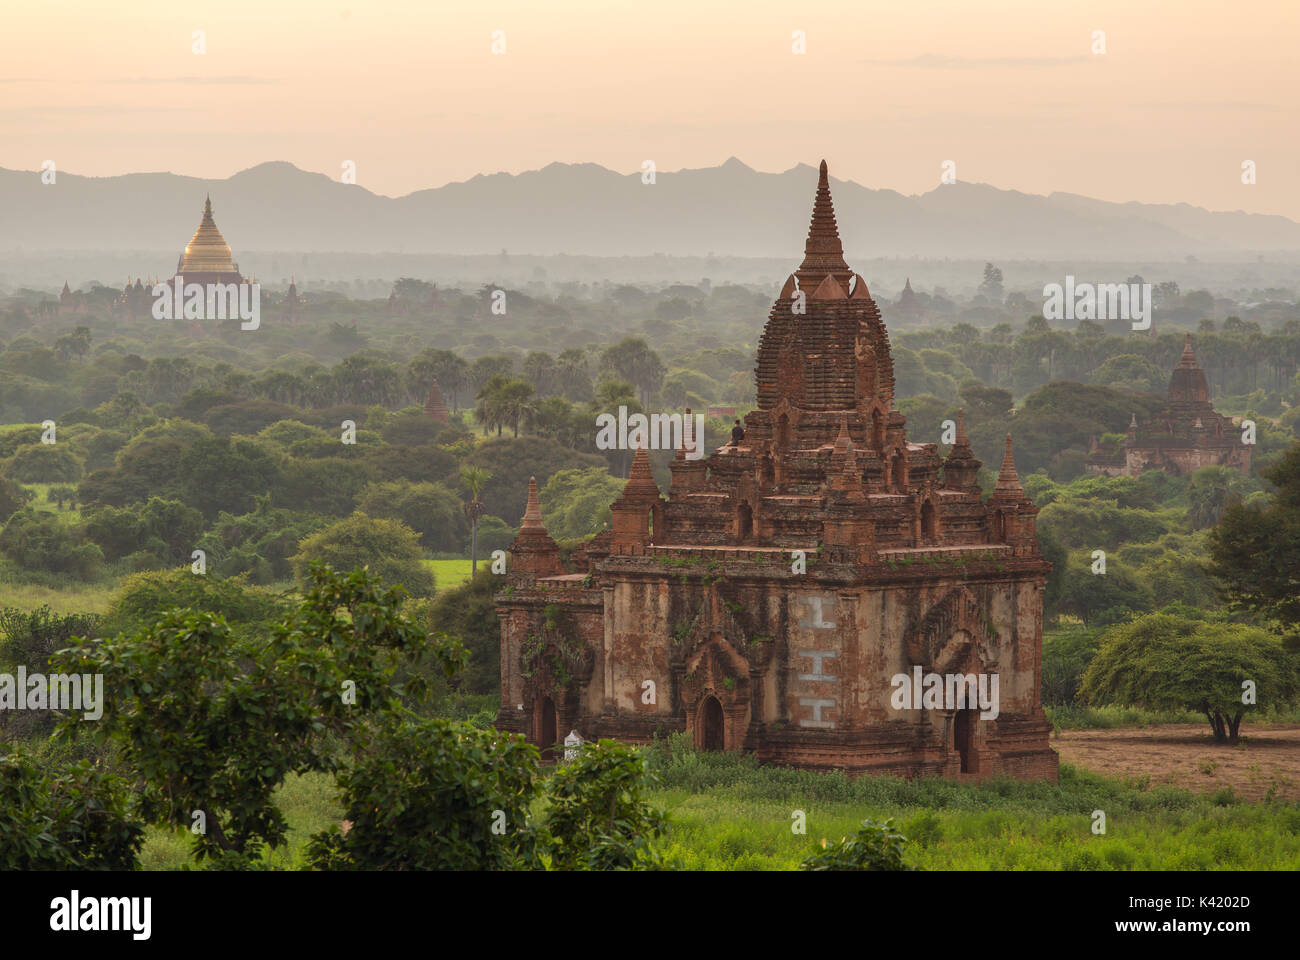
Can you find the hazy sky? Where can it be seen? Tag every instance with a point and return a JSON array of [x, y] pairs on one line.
[[1007, 89]]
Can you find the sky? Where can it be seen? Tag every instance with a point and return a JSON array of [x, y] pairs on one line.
[[412, 94]]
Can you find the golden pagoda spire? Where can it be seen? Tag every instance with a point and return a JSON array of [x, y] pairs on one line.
[[207, 251]]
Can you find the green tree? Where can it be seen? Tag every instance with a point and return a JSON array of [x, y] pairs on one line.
[[1255, 549], [1165, 662], [597, 818], [44, 463], [467, 612], [1211, 491], [474, 479], [221, 473], [40, 540], [430, 509], [434, 794], [631, 359], [212, 724], [74, 818], [576, 503], [388, 548]]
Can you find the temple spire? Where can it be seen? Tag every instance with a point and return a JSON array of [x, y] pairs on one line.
[[823, 251], [962, 440], [640, 481], [533, 511], [1008, 484], [1188, 359]]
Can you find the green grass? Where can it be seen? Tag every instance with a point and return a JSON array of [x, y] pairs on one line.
[[729, 813], [309, 803], [83, 598], [1071, 717], [450, 573], [41, 501]]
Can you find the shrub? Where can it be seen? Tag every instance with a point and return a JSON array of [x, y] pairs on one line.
[[434, 795], [388, 548], [597, 819], [876, 846], [39, 540], [74, 819]]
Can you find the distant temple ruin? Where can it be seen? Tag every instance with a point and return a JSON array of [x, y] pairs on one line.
[[1186, 435], [774, 601]]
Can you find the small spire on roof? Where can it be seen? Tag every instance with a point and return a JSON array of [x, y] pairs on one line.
[[1008, 484]]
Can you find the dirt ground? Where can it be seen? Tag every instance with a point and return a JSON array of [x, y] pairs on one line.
[[1267, 757]]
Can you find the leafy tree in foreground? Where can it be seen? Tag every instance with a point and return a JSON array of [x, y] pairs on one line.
[[597, 819], [75, 819], [1165, 662], [210, 724], [425, 795]]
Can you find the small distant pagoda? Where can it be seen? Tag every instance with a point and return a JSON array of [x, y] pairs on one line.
[[908, 309], [293, 304], [1186, 435], [207, 257], [434, 407]]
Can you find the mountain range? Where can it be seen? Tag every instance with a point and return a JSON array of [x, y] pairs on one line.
[[584, 208]]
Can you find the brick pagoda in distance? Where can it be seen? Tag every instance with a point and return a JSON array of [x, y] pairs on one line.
[[1186, 435], [695, 613]]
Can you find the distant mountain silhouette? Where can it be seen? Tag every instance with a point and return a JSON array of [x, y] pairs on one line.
[[586, 209]]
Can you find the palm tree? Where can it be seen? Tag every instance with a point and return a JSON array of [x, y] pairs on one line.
[[474, 478], [517, 402], [491, 409]]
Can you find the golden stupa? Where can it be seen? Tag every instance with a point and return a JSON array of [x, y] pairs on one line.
[[207, 257]]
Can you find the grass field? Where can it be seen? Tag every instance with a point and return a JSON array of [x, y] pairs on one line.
[[449, 573], [87, 598], [41, 501], [728, 813]]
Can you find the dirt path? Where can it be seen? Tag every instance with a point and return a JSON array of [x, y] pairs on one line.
[[1268, 757]]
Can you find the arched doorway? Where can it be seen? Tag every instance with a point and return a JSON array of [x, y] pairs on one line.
[[927, 521], [547, 733], [999, 527], [711, 732], [744, 522], [963, 723]]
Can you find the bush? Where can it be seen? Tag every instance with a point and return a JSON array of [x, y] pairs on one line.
[[876, 846], [73, 819], [39, 540], [434, 795], [388, 548], [146, 596], [430, 509], [45, 463]]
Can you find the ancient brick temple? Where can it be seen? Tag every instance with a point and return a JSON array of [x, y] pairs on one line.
[[770, 600], [1186, 435]]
